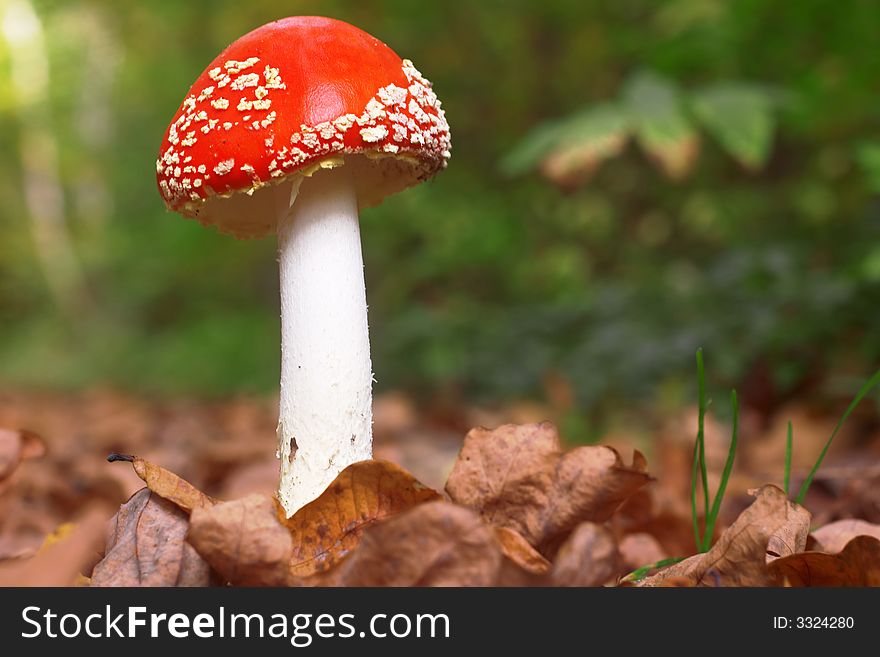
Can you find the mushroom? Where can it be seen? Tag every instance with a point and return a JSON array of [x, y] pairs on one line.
[[292, 130]]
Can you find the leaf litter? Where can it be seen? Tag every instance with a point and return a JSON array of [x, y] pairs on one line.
[[519, 509]]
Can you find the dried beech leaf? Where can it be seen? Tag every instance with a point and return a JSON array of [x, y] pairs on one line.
[[639, 550], [17, 446], [243, 540], [588, 558], [146, 547], [858, 564], [326, 529], [166, 484], [517, 476], [433, 544], [770, 528], [834, 536], [60, 562], [678, 582], [518, 550]]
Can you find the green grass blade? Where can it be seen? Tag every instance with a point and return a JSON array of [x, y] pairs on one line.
[[694, 470], [865, 389], [701, 432], [639, 573], [725, 475], [788, 444]]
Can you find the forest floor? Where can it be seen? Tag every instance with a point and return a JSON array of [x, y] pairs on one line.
[[567, 514]]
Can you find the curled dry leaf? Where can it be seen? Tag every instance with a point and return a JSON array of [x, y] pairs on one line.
[[146, 547], [62, 558], [251, 542], [324, 530], [588, 558], [17, 446], [433, 544], [517, 476], [858, 564], [243, 540], [520, 552], [834, 536], [770, 528], [166, 484]]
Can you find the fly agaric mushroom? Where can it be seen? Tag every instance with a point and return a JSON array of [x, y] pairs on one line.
[[290, 131]]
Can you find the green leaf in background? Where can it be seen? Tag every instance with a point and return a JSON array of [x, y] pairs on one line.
[[662, 128], [571, 148], [588, 139], [661, 117], [740, 117], [868, 156], [529, 152]]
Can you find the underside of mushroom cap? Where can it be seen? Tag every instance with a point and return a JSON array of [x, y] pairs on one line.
[[289, 98]]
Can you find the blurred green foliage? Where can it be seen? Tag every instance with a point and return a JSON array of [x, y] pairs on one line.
[[720, 190]]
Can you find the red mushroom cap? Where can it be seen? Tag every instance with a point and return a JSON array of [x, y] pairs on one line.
[[289, 97]]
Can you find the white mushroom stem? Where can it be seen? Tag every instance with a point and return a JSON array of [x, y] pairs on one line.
[[325, 420]]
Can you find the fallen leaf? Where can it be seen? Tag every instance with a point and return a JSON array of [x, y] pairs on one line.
[[677, 582], [60, 562], [146, 547], [834, 536], [433, 544], [858, 564], [17, 446], [251, 542], [588, 558], [166, 484], [243, 540], [326, 529], [519, 551], [639, 550], [770, 528], [643, 512], [517, 476]]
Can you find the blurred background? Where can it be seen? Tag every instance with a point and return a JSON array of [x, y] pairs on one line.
[[630, 180]]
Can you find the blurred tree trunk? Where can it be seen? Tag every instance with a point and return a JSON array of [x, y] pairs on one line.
[[38, 151]]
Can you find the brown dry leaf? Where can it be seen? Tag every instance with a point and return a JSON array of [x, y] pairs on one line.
[[17, 446], [60, 562], [858, 564], [643, 512], [146, 547], [251, 542], [834, 537], [519, 551], [639, 550], [326, 529], [433, 544], [517, 476], [166, 484], [771, 527], [243, 540], [679, 582], [588, 558]]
